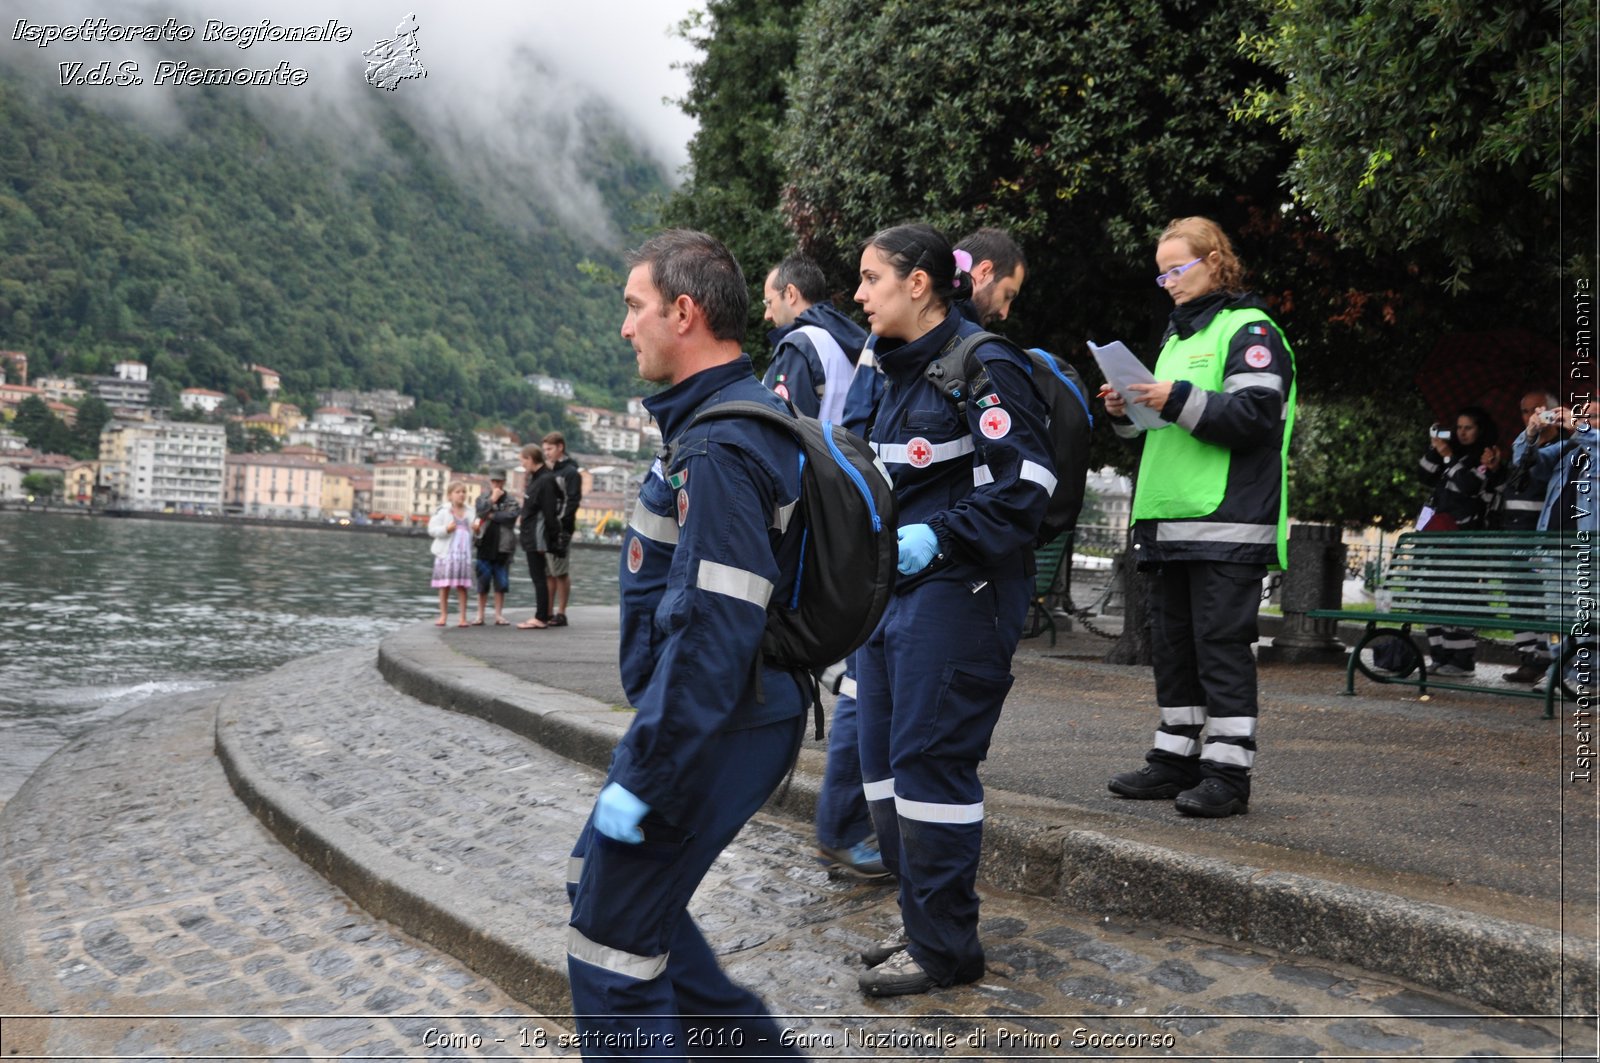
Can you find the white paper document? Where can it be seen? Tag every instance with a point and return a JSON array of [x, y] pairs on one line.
[[1121, 368]]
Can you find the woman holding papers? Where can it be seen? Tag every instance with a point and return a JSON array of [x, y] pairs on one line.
[[1209, 516]]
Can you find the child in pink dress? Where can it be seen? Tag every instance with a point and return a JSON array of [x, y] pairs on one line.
[[451, 529]]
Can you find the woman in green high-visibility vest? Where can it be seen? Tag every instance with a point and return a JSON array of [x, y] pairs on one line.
[[1209, 516]]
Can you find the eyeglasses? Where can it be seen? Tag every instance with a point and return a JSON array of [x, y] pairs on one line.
[[1175, 272]]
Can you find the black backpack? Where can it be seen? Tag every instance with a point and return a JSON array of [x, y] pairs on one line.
[[961, 377], [848, 516]]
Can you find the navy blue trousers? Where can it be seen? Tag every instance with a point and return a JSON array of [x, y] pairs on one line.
[[930, 683], [842, 815], [640, 970]]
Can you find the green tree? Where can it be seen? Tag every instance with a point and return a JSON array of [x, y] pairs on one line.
[[93, 416], [41, 485], [1451, 127], [1354, 460]]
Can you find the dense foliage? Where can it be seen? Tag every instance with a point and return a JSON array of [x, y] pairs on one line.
[[1451, 125], [233, 241]]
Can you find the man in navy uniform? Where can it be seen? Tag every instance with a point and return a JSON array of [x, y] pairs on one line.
[[715, 730]]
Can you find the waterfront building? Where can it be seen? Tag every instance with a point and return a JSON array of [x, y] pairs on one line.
[[78, 482], [410, 487], [271, 485], [157, 465], [346, 490]]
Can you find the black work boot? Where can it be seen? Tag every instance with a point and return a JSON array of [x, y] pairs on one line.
[[1156, 781], [1212, 799]]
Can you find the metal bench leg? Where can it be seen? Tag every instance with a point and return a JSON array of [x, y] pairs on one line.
[[1355, 655]]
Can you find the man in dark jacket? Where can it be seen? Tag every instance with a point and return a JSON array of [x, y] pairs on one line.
[[814, 346], [497, 545], [569, 492], [539, 526]]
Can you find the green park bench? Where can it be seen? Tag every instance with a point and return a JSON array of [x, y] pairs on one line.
[[1484, 580], [1047, 561]]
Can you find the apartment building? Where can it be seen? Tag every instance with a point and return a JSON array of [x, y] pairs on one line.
[[163, 464], [272, 485]]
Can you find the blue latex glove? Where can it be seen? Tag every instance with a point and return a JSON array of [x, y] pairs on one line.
[[617, 814], [918, 544]]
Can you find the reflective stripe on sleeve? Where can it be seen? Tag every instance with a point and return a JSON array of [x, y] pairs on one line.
[[1183, 747], [1232, 726], [1033, 472], [1183, 715], [1213, 531], [1240, 381], [1125, 431], [628, 965], [734, 582], [982, 474], [574, 870], [882, 790], [937, 452], [653, 526], [783, 514], [847, 687], [1193, 407], [1228, 753], [930, 812]]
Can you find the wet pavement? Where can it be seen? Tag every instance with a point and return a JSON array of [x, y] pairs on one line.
[[136, 882]]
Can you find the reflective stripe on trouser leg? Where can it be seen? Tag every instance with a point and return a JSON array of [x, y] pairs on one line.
[[946, 657], [1227, 599], [873, 712], [1177, 676], [635, 960], [1532, 644], [1230, 742]]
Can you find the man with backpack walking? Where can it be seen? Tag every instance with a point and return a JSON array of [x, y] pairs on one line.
[[814, 347], [716, 727]]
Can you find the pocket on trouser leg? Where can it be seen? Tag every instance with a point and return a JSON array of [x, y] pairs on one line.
[[965, 713]]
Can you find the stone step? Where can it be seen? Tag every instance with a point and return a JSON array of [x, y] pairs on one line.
[[459, 831]]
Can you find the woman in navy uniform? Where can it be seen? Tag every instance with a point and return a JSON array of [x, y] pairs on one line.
[[972, 488]]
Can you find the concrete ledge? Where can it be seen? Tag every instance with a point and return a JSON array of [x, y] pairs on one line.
[[1510, 966], [473, 929]]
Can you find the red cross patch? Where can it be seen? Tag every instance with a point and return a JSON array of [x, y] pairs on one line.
[[635, 554], [683, 506], [1258, 357], [995, 423], [919, 453], [781, 390]]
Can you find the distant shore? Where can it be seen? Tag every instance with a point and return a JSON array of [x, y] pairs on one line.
[[415, 531]]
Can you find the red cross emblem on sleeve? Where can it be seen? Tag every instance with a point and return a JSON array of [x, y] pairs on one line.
[[995, 423], [919, 452]]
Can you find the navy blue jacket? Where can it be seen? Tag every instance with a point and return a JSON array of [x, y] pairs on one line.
[[704, 552], [801, 368], [980, 481]]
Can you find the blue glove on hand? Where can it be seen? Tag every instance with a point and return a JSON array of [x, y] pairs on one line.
[[918, 544], [617, 814]]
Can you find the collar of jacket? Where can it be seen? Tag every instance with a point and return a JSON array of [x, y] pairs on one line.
[[903, 361], [676, 406], [1189, 318]]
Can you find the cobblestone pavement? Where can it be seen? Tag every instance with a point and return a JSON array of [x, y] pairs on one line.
[[146, 912], [457, 823]]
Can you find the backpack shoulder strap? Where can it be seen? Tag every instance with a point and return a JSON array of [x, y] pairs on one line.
[[957, 372]]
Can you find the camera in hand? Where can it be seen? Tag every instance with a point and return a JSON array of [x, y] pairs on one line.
[[1549, 416], [1439, 433]]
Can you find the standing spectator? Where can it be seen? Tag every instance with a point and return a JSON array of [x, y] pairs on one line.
[[569, 484], [451, 529], [497, 545], [1519, 502], [1209, 515], [539, 526], [714, 730], [814, 346], [931, 680], [1463, 467]]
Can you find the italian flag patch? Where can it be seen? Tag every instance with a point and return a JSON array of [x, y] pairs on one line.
[[988, 400], [677, 480]]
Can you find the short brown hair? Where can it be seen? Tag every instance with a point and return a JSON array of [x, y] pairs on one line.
[[534, 451], [556, 438]]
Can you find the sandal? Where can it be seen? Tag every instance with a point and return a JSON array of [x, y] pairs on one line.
[[531, 625]]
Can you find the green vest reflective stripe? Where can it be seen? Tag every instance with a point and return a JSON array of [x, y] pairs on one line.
[[1181, 477]]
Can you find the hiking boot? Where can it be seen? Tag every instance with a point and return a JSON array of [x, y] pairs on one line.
[[1455, 670], [898, 976], [1153, 782], [861, 860], [873, 955], [1528, 672], [1213, 800]]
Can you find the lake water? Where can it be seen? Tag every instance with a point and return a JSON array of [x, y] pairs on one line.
[[97, 613]]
